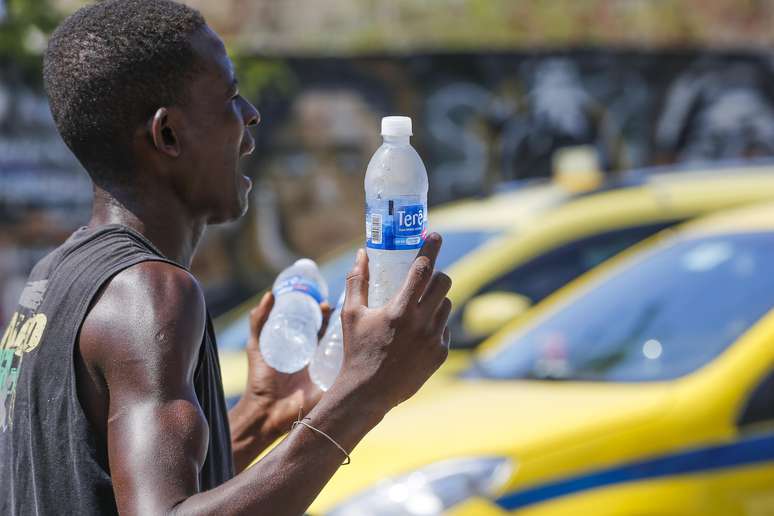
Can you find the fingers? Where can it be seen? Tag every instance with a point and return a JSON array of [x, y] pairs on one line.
[[325, 308], [357, 283], [436, 291], [431, 247], [446, 337], [259, 315], [420, 272], [441, 317]]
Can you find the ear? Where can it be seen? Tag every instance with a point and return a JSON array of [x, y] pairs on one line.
[[163, 134]]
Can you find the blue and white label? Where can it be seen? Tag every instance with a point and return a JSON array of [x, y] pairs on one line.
[[299, 284], [395, 224]]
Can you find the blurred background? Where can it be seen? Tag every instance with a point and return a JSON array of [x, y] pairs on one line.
[[494, 87], [556, 134]]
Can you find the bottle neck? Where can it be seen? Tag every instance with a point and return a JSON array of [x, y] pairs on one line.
[[396, 140]]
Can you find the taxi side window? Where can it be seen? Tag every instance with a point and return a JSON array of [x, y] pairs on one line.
[[546, 273], [760, 405]]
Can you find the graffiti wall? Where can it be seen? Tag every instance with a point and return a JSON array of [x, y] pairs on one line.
[[479, 120], [484, 119]]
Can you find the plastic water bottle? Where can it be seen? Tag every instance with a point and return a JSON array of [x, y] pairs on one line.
[[289, 337], [327, 360], [396, 210]]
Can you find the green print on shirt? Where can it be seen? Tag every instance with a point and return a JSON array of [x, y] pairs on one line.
[[22, 336]]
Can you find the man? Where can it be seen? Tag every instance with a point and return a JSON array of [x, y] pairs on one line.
[[114, 399]]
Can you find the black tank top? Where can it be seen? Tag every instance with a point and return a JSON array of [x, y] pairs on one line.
[[49, 462]]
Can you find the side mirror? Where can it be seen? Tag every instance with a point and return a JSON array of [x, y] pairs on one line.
[[485, 314]]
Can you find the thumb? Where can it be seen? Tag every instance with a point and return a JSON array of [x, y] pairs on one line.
[[357, 283], [258, 317]]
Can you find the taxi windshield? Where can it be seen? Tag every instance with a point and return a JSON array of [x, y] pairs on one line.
[[655, 318]]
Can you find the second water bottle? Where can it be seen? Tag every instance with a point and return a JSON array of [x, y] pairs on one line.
[[289, 337], [327, 360]]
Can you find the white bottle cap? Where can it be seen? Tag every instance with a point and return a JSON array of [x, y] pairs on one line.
[[306, 264], [396, 126]]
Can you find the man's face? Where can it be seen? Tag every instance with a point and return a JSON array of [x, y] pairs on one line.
[[215, 136]]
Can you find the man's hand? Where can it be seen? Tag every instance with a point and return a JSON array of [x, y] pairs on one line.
[[390, 352], [272, 400]]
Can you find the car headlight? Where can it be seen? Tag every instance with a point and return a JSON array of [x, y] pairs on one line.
[[430, 490]]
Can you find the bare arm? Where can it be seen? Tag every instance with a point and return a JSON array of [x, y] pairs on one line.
[[151, 318]]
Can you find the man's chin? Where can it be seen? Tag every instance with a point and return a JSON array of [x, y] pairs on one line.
[[235, 212]]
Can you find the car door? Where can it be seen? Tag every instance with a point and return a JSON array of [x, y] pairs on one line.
[[753, 487]]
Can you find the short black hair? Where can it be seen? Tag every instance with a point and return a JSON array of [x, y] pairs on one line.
[[107, 69]]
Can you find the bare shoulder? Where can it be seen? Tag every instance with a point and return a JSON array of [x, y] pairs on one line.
[[150, 316]]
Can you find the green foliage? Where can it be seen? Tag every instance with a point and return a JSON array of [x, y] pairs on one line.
[[23, 34], [258, 75]]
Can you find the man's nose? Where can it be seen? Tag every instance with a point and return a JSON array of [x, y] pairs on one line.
[[252, 116]]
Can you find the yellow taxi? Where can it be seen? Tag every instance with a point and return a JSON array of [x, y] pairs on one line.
[[513, 249], [645, 387], [497, 281]]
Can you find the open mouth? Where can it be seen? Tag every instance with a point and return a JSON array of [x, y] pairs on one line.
[[247, 148]]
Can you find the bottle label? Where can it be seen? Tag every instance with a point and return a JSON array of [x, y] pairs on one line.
[[396, 224], [298, 284]]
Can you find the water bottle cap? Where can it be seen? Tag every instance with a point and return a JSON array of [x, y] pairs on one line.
[[306, 263], [396, 126]]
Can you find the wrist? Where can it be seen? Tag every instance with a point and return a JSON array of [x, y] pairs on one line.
[[356, 401]]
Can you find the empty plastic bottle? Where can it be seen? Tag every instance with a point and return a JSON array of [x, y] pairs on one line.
[[396, 210], [327, 360], [289, 337]]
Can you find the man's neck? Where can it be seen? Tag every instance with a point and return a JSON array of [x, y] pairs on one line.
[[159, 218]]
